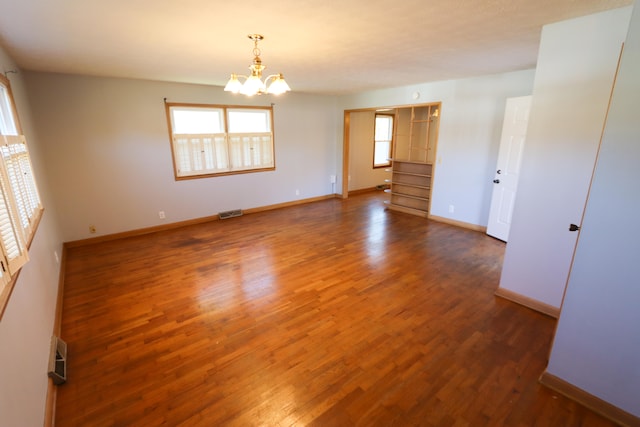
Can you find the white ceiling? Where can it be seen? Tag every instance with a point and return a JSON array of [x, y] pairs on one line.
[[321, 47]]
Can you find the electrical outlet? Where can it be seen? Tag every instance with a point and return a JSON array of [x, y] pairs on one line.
[[451, 208], [92, 229], [332, 179], [297, 192], [161, 215]]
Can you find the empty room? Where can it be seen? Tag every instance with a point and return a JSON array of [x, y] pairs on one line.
[[303, 213]]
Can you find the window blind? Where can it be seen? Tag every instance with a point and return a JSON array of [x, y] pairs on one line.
[[209, 140], [20, 206]]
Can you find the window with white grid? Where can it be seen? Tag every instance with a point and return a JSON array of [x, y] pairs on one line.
[[209, 140], [20, 207]]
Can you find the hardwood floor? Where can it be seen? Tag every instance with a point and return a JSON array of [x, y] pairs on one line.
[[335, 313]]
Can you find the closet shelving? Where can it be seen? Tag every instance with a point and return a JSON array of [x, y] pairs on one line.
[[415, 138]]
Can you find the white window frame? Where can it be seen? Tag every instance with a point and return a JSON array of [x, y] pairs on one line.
[[220, 150], [380, 139], [20, 207]]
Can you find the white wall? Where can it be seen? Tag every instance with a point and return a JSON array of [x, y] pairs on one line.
[[109, 157], [361, 134], [597, 343], [469, 135], [576, 68], [27, 323]]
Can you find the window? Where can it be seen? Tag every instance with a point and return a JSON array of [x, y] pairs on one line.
[[209, 140], [383, 138], [20, 207]]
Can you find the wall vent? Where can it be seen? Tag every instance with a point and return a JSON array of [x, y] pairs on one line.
[[230, 214], [58, 361]]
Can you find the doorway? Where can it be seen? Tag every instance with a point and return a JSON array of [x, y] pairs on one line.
[[414, 144]]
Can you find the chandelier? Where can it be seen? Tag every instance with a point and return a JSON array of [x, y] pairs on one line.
[[253, 84]]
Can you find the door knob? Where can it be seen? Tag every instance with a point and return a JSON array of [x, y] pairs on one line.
[[573, 227], [496, 181]]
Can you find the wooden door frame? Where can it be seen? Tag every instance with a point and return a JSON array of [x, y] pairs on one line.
[[346, 143], [345, 153]]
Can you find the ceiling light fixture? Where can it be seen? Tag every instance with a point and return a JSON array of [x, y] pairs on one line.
[[253, 84]]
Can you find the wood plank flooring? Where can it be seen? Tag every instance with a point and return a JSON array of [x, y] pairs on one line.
[[335, 313]]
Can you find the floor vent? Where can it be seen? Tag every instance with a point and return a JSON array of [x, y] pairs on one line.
[[230, 214], [58, 361]]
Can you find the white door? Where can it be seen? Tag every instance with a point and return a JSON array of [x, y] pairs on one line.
[[505, 183]]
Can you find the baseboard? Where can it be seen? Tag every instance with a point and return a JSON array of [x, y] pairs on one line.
[[592, 402], [528, 302], [52, 390], [288, 204], [138, 232], [461, 224], [179, 224]]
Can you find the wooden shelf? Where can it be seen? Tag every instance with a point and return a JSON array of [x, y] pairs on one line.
[[405, 209], [410, 186], [411, 196], [411, 173], [388, 181]]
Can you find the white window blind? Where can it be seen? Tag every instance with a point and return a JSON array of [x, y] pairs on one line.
[[200, 154], [17, 165], [11, 234], [20, 206], [210, 140]]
